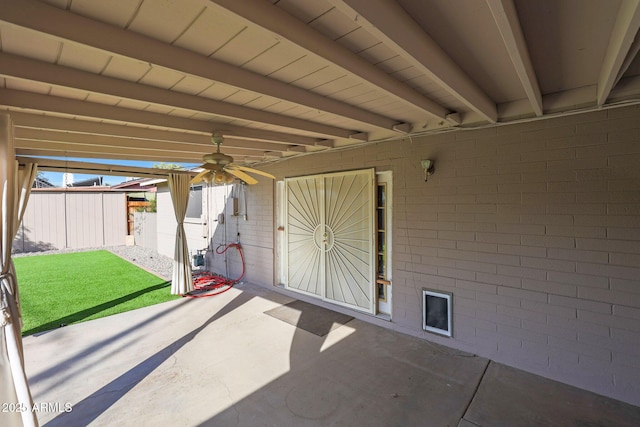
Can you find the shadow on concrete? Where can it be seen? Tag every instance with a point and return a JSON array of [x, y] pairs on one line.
[[70, 364], [371, 377], [90, 408], [377, 377]]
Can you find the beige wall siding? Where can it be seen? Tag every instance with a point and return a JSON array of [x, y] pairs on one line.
[[166, 222], [534, 228], [59, 220], [167, 226], [115, 228], [43, 225], [146, 229], [84, 220]]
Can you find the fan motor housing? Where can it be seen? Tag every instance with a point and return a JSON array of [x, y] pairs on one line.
[[217, 159]]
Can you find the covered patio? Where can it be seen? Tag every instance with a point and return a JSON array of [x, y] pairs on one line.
[[529, 220], [225, 361]]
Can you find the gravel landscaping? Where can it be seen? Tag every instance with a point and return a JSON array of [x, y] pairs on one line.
[[145, 258]]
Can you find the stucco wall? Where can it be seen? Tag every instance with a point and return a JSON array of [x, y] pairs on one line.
[[146, 229], [534, 228], [166, 224]]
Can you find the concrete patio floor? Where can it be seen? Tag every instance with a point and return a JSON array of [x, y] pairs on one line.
[[221, 361]]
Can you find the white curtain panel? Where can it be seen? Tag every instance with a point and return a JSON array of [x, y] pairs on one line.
[[179, 185], [15, 188], [26, 176]]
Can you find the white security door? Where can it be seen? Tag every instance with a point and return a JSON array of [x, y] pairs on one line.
[[305, 260], [330, 237]]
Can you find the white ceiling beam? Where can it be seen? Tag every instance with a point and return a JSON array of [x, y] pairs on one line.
[[271, 136], [254, 145], [627, 88], [298, 149], [569, 100], [80, 152], [274, 154], [74, 107], [65, 25], [506, 18], [631, 56], [53, 104], [120, 156], [67, 149], [389, 22], [49, 145], [124, 144], [54, 165], [64, 149], [39, 139], [39, 121], [624, 32], [30, 69], [278, 21]]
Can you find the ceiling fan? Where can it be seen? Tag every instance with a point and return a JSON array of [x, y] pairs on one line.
[[219, 168]]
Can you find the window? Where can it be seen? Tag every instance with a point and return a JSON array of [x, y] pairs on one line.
[[383, 243], [194, 208], [382, 231]]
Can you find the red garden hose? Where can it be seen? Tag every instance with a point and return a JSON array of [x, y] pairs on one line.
[[205, 281]]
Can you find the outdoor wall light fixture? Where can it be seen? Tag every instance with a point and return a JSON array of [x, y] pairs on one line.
[[427, 165]]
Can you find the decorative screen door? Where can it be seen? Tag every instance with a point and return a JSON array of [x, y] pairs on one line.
[[330, 237]]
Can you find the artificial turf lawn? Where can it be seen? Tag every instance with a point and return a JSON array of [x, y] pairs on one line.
[[75, 287]]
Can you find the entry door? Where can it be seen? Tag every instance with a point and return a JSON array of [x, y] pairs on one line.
[[330, 237]]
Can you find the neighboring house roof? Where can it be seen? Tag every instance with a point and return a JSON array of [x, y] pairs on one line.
[[140, 184], [153, 182], [89, 182], [42, 183]]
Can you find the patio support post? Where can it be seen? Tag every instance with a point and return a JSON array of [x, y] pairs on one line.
[[15, 187], [179, 186]]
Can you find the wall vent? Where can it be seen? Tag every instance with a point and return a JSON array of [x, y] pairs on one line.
[[436, 312]]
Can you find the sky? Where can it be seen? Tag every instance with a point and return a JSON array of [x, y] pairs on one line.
[[56, 177]]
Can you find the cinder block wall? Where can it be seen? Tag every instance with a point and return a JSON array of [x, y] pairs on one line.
[[534, 228], [253, 220]]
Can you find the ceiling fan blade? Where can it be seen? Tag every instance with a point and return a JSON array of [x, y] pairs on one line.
[[256, 171], [199, 177], [243, 176]]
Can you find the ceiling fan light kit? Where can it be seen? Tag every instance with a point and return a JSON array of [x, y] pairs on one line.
[[223, 177]]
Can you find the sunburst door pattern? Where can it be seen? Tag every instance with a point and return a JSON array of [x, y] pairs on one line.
[[330, 237], [304, 222]]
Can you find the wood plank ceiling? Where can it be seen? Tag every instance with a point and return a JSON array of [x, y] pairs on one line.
[[153, 79]]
